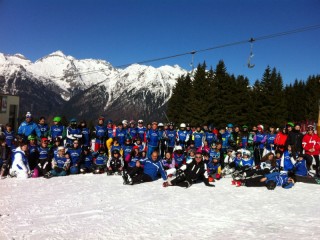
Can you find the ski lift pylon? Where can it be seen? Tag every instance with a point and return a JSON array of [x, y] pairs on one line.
[[250, 65]]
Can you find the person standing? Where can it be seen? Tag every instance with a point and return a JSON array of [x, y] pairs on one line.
[[311, 145], [28, 127]]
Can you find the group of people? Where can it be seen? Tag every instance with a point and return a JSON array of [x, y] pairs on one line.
[[182, 155]]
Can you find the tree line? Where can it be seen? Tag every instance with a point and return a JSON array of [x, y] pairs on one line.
[[214, 96]]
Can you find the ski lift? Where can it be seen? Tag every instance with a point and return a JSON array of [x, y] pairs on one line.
[[250, 65], [192, 61]]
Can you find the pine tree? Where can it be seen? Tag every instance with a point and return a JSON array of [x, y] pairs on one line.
[[178, 110], [200, 96]]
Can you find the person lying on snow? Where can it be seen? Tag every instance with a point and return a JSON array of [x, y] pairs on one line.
[[191, 173], [152, 168], [271, 181]]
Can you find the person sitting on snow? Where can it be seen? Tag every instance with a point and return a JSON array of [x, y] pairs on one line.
[[151, 169], [115, 164], [60, 164], [86, 161], [100, 161], [20, 166], [191, 173], [169, 164]]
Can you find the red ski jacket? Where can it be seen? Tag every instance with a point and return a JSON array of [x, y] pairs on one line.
[[309, 142]]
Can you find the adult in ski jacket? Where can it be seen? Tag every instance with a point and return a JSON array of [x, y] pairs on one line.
[[311, 145], [191, 173], [152, 168], [28, 127]]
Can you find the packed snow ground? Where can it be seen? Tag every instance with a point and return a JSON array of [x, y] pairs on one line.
[[101, 207]]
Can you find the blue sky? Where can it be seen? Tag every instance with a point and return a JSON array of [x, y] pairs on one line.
[[127, 31]]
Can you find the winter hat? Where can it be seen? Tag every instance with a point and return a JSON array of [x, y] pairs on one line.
[[271, 185], [260, 127], [290, 124], [61, 148], [28, 115], [311, 127], [135, 147]]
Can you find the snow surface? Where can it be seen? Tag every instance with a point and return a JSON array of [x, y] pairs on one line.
[[101, 207]]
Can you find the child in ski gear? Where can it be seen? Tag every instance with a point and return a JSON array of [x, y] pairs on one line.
[[300, 166], [288, 159], [141, 145], [60, 164], [74, 153], [178, 156], [100, 161], [169, 164], [57, 129], [9, 135], [86, 160], [270, 141], [116, 145], [191, 155], [134, 157], [115, 164], [43, 127], [281, 139], [20, 166], [183, 136], [259, 140], [85, 132], [153, 138], [33, 153], [171, 134], [73, 132], [100, 133], [45, 157], [142, 130], [214, 168]]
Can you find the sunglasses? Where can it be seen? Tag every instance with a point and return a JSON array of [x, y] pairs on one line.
[[197, 157]]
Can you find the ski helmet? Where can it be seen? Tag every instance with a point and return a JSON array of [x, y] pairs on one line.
[[182, 125], [31, 137], [260, 126], [290, 124], [73, 120], [177, 148], [57, 119], [160, 125], [125, 122], [140, 121], [230, 125]]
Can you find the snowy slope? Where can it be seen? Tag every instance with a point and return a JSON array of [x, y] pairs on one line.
[[100, 207]]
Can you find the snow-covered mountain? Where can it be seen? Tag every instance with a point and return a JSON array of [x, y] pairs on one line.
[[87, 88]]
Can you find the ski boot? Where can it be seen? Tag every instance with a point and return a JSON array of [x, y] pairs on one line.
[[48, 175], [126, 178], [109, 173]]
